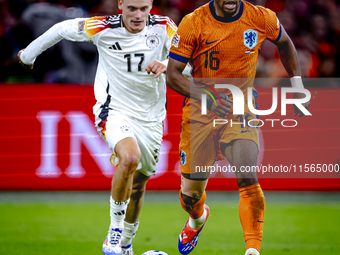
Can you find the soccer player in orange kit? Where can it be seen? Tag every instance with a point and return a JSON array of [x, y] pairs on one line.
[[222, 40]]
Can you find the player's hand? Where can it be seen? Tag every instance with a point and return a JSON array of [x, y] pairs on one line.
[[297, 111], [156, 67], [222, 110], [21, 63]]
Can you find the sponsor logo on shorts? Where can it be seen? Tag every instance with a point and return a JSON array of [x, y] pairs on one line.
[[245, 131], [125, 129], [183, 158]]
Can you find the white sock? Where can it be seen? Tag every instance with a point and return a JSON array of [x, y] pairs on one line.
[[117, 213], [129, 232], [197, 223]]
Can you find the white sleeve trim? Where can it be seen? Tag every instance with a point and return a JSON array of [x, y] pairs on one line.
[[296, 82]]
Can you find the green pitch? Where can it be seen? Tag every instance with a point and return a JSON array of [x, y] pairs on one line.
[[77, 224]]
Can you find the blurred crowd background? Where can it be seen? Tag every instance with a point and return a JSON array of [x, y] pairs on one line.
[[314, 26]]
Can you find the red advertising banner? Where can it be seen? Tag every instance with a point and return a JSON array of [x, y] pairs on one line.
[[49, 142]]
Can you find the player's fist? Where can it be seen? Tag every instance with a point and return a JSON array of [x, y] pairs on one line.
[[21, 63], [297, 111], [222, 110], [156, 67]]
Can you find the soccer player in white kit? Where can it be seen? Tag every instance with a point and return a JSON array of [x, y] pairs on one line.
[[130, 104]]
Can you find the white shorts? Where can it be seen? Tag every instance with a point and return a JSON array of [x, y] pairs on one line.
[[115, 127]]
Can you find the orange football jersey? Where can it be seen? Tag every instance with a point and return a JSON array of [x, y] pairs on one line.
[[222, 50], [217, 47]]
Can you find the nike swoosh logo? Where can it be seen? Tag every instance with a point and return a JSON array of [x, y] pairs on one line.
[[245, 131], [207, 43]]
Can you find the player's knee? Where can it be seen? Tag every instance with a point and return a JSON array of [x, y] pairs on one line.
[[246, 181], [129, 161]]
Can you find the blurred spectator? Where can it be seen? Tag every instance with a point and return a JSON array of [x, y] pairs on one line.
[[72, 63], [313, 25], [170, 9], [108, 7]]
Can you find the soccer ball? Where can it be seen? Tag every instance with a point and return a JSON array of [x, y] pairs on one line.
[[155, 252]]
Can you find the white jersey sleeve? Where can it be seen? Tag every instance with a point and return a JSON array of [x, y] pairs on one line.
[[69, 29], [171, 31]]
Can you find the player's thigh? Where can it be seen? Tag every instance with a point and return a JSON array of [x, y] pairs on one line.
[[240, 128], [113, 128], [243, 155], [197, 148], [149, 138], [128, 151]]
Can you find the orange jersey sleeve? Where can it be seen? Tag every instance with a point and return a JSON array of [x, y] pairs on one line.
[[272, 24], [184, 41]]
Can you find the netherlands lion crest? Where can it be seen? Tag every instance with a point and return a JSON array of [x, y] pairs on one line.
[[250, 38], [183, 158]]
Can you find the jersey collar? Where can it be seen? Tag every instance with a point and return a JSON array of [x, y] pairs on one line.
[[222, 19]]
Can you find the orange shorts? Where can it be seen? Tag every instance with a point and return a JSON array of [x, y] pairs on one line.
[[201, 142]]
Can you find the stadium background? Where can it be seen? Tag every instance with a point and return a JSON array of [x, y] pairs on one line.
[[48, 142], [52, 145]]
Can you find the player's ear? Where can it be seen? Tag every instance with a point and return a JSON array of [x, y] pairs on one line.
[[150, 7], [120, 4]]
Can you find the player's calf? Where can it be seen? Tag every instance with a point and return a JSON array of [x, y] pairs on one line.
[[251, 210]]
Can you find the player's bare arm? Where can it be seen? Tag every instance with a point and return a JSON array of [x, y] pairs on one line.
[[176, 81], [290, 62], [23, 64]]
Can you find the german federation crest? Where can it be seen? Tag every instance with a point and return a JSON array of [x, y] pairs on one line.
[[152, 41], [250, 38]]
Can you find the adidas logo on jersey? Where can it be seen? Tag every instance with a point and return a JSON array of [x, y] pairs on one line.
[[115, 46]]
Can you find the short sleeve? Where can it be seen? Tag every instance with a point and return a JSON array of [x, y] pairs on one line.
[[272, 25], [183, 42]]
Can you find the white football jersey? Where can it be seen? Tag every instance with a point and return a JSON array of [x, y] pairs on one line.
[[121, 83]]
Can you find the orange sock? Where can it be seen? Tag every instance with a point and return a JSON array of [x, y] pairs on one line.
[[197, 209], [251, 211]]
